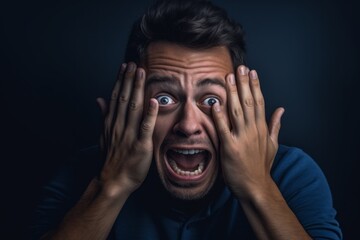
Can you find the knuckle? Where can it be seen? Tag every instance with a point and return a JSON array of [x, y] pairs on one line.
[[146, 126], [114, 95], [249, 102], [133, 105], [237, 112], [123, 99], [260, 102], [244, 80], [255, 82]]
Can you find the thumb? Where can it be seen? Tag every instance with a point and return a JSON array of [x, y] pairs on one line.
[[275, 124], [102, 105]]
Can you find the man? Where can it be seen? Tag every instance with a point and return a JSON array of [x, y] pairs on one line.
[[187, 150]]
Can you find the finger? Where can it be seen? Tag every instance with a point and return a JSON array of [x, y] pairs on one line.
[[246, 98], [148, 124], [220, 123], [124, 97], [102, 105], [235, 111], [103, 108], [115, 95], [259, 102], [275, 124], [135, 109]]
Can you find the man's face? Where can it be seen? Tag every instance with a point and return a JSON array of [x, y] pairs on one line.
[[186, 82]]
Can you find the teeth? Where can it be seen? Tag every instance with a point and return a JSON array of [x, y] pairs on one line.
[[196, 172], [188, 152]]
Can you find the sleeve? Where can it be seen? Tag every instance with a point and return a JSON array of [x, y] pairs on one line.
[[307, 192], [62, 192]]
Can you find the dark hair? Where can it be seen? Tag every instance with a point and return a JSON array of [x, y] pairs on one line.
[[190, 23]]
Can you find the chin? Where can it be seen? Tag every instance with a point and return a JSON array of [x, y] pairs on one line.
[[187, 192], [187, 172]]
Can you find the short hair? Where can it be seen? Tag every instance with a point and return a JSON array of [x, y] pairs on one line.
[[196, 24]]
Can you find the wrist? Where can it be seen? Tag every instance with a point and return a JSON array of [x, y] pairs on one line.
[[113, 191], [258, 192]]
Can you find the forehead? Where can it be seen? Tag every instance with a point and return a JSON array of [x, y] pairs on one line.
[[174, 59]]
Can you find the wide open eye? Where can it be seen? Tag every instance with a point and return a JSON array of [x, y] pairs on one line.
[[209, 101], [164, 100]]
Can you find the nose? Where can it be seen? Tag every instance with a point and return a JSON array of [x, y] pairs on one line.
[[189, 121]]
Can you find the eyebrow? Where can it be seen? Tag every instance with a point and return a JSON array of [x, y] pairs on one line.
[[211, 81], [166, 81]]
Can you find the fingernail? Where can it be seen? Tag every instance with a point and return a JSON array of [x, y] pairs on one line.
[[282, 111], [139, 73], [217, 107], [131, 67], [152, 103], [232, 79], [242, 70], [123, 66], [253, 74]]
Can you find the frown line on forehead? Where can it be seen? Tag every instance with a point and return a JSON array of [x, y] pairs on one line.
[[162, 80], [211, 81], [174, 81]]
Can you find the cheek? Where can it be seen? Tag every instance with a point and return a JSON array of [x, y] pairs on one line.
[[212, 133], [162, 128]]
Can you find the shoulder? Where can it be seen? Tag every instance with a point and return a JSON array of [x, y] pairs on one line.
[[77, 171], [63, 190], [293, 162], [292, 155], [72, 177], [306, 190], [295, 172]]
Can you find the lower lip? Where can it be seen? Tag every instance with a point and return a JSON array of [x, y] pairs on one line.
[[183, 178]]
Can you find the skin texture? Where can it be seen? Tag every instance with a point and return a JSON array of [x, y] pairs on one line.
[[186, 121], [233, 130]]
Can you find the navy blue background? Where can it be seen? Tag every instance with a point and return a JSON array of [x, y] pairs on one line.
[[57, 57]]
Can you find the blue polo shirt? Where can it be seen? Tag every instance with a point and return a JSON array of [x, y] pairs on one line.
[[152, 213]]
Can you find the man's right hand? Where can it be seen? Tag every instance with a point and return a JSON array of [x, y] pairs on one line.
[[128, 149], [126, 140]]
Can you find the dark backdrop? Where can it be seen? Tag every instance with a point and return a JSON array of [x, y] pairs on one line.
[[58, 56]]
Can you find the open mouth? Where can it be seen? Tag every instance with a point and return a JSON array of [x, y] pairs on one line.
[[187, 164]]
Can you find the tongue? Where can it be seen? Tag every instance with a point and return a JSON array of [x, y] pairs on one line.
[[188, 162]]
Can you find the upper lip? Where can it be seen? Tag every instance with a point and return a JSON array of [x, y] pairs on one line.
[[187, 148], [182, 148], [188, 151]]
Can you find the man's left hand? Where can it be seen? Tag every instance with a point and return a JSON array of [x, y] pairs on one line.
[[247, 143]]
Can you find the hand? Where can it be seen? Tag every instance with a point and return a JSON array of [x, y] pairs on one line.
[[126, 140], [248, 147]]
